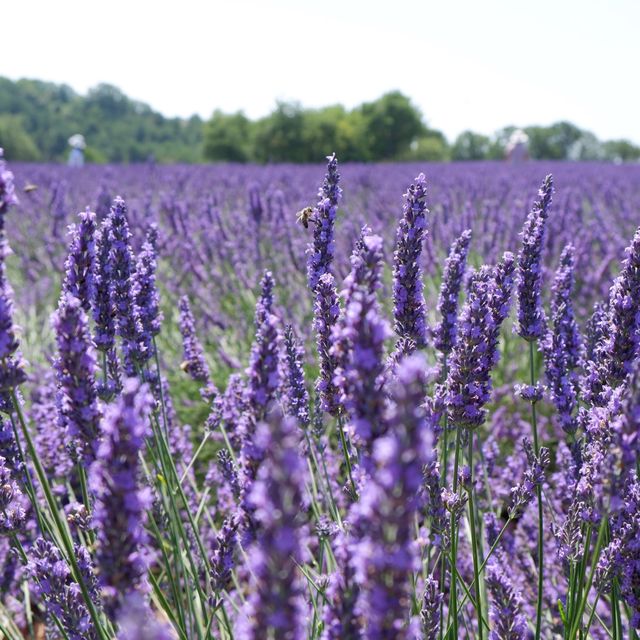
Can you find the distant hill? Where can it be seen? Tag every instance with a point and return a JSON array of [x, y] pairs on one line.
[[37, 118]]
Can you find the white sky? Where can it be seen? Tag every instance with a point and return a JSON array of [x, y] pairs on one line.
[[478, 64]]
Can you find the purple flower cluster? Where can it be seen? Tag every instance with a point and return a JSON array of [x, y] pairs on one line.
[[121, 503], [295, 394], [136, 347], [79, 268], [287, 514], [409, 307], [320, 253], [531, 318], [358, 346], [76, 377], [384, 550], [468, 382], [275, 606], [7, 189], [12, 513], [617, 351], [193, 360], [445, 334]]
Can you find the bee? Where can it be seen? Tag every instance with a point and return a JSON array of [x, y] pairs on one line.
[[305, 217], [28, 188]]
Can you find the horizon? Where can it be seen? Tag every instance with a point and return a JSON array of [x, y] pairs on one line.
[[499, 66]]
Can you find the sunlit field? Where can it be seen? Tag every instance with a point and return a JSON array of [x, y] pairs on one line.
[[320, 402]]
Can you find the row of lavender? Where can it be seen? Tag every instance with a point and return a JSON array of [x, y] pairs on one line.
[[387, 498], [212, 219]]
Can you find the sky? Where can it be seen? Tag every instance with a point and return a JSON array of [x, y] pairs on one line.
[[467, 64]]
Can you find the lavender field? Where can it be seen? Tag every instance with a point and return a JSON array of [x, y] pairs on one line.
[[411, 412]]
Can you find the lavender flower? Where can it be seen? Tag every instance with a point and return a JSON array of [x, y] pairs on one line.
[[531, 321], [562, 346], [275, 605], [263, 374], [12, 373], [222, 561], [530, 393], [506, 606], [136, 621], [445, 334], [145, 290], [76, 376], [522, 494], [430, 614], [10, 450], [136, 345], [341, 621], [617, 352], [434, 508], [194, 362], [264, 305], [54, 584], [121, 504], [320, 252], [103, 306], [408, 298], [358, 346], [468, 383], [596, 330], [296, 396], [384, 550], [80, 265], [326, 314], [7, 189], [12, 514], [621, 558]]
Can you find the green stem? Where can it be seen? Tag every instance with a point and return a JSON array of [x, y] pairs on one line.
[[596, 555], [474, 541], [453, 607], [347, 458], [536, 447]]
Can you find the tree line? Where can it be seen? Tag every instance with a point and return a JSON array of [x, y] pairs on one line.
[[37, 118]]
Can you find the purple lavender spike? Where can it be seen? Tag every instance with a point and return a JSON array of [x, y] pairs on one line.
[[326, 314], [53, 582], [136, 347], [385, 555], [276, 605], [469, 380], [445, 334], [12, 513], [295, 395], [145, 290], [408, 298], [121, 504], [562, 347], [80, 264], [320, 252], [103, 306], [617, 351], [530, 324], [76, 376]]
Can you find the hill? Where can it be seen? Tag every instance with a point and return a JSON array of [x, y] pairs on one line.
[[37, 118]]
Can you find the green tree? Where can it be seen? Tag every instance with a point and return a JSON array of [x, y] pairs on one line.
[[16, 142], [621, 151], [279, 137], [227, 137], [554, 142], [432, 147], [470, 146], [334, 129], [391, 124]]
